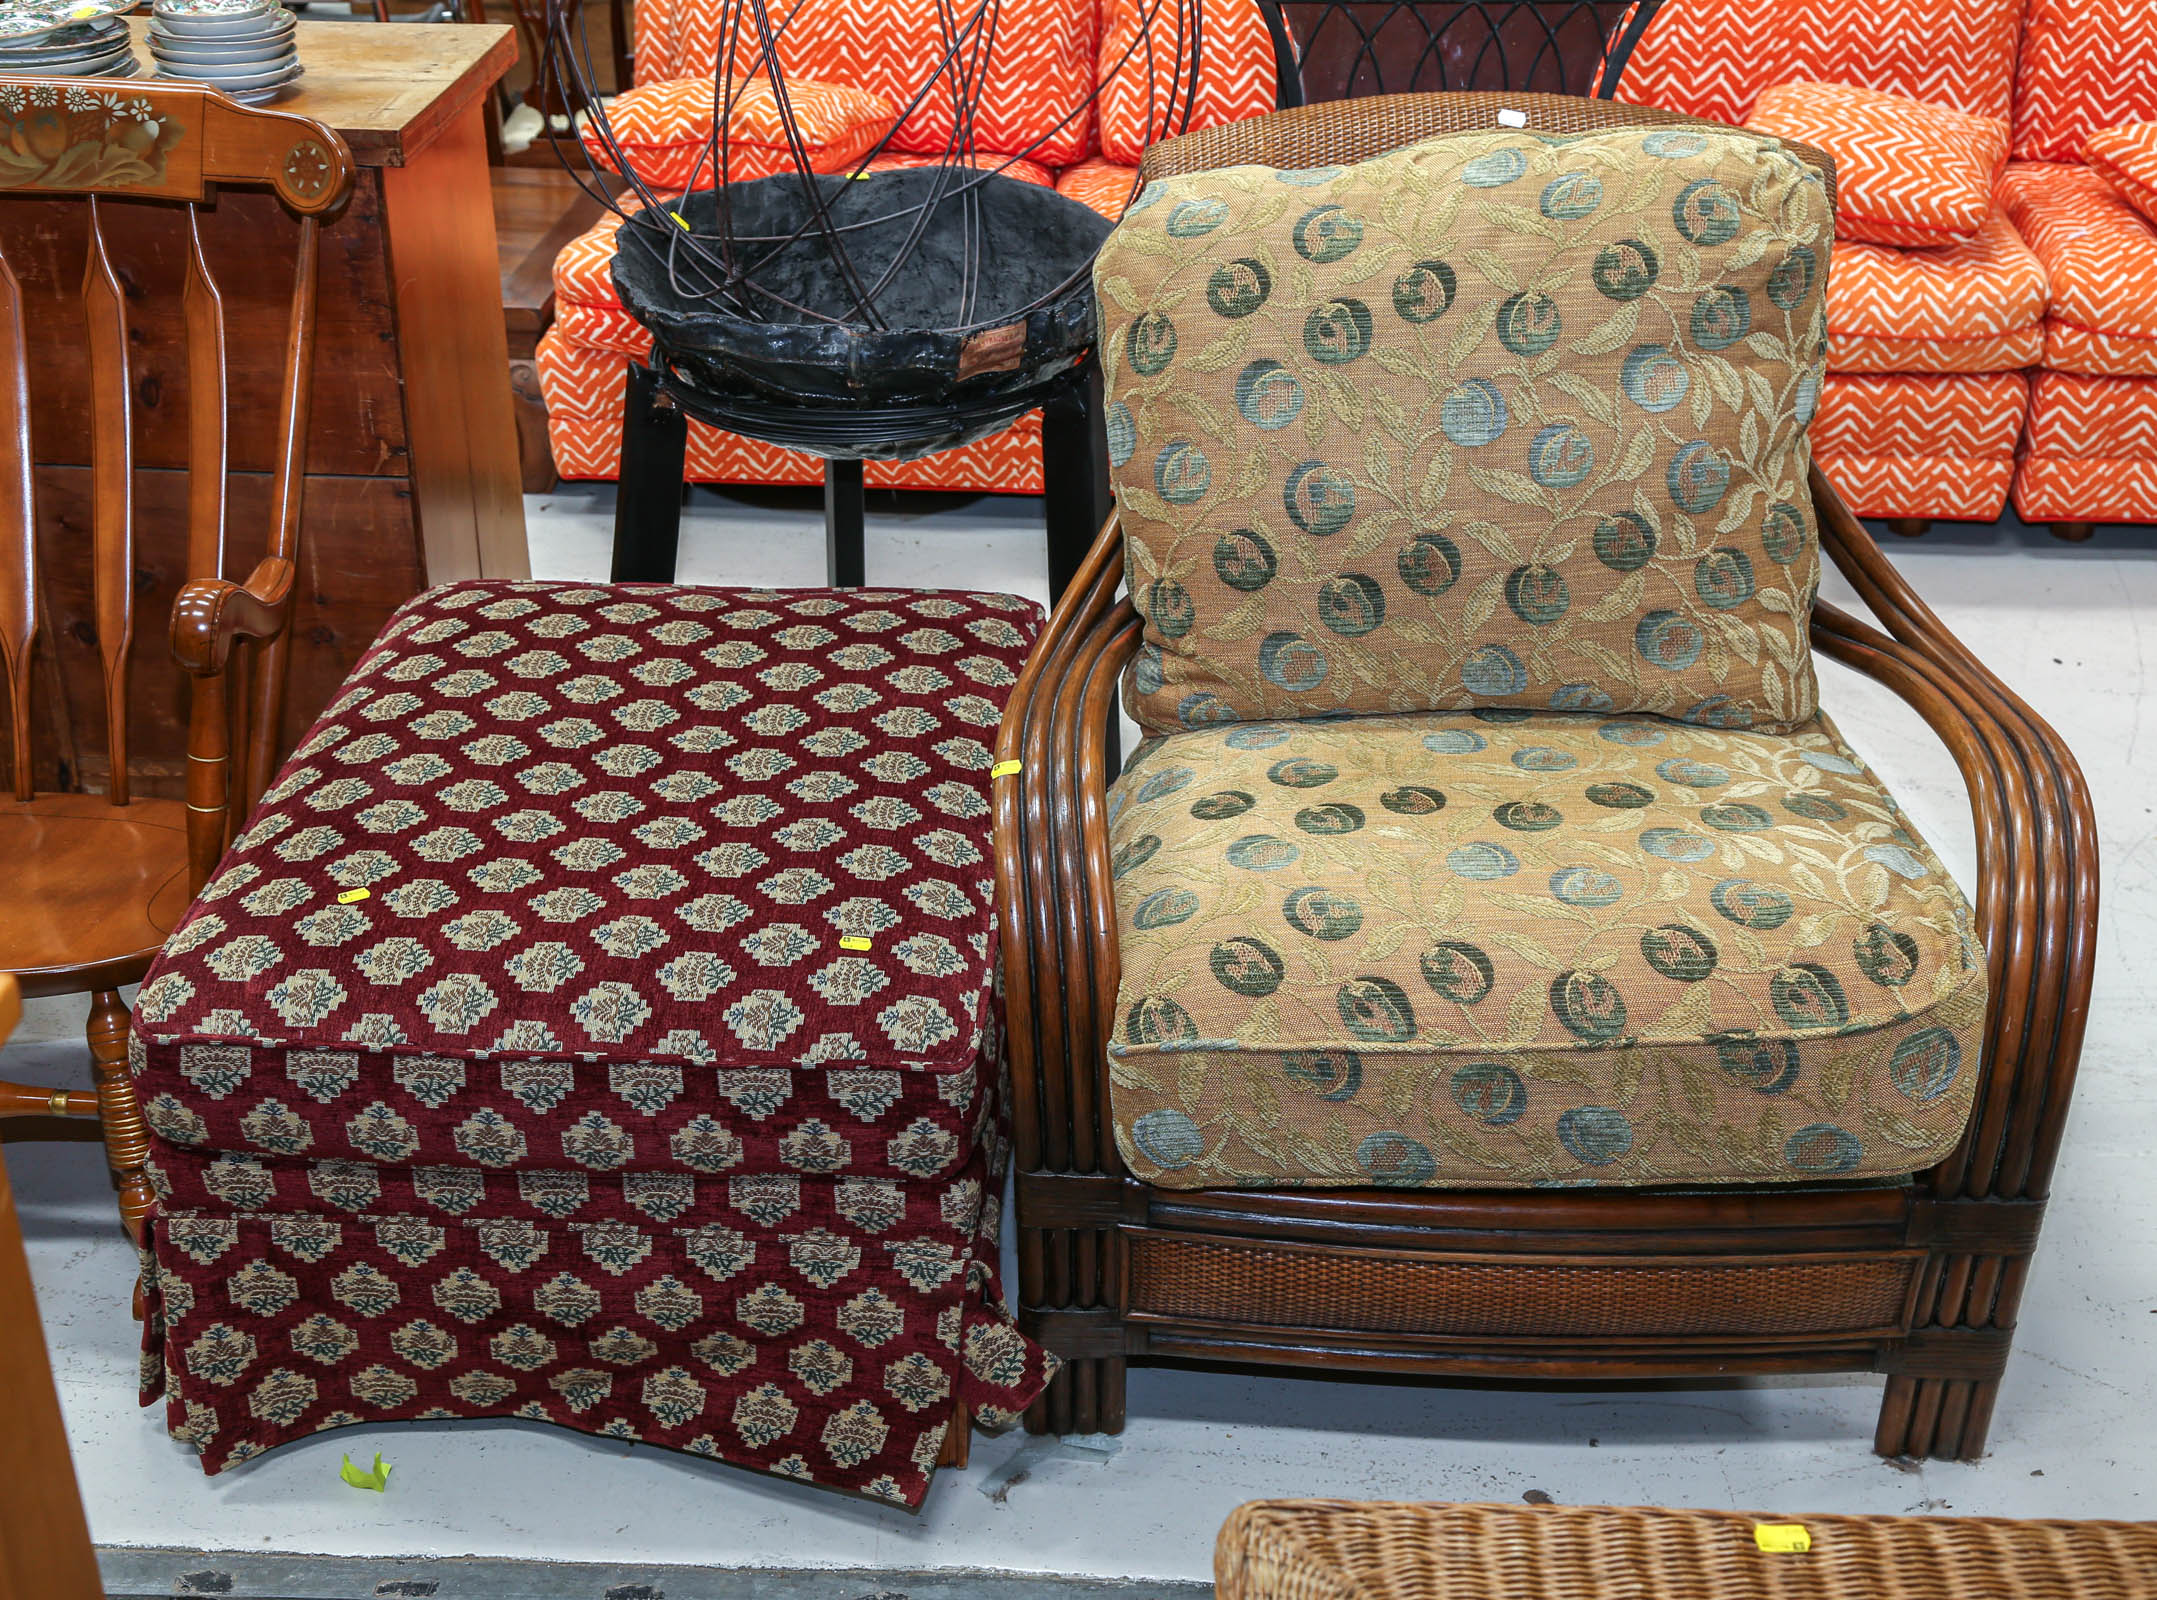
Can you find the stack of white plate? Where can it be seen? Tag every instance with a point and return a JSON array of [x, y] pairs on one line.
[[243, 47], [85, 39]]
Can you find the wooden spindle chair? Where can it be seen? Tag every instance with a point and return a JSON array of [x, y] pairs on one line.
[[93, 882]]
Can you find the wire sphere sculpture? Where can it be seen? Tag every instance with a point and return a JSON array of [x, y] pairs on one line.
[[884, 309]]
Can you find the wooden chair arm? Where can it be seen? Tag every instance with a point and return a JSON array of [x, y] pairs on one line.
[[211, 613]]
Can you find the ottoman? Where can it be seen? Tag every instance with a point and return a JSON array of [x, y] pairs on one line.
[[596, 1023]]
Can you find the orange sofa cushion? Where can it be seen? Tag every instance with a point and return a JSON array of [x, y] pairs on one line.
[[1906, 172], [2100, 257], [1146, 89], [2090, 454], [1975, 291], [1712, 58], [664, 129], [1029, 64], [1907, 446], [2085, 65], [1107, 186], [2127, 156]]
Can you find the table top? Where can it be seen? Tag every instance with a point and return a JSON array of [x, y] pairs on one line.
[[389, 87]]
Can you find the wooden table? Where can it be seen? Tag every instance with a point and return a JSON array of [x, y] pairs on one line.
[[412, 463], [537, 210]]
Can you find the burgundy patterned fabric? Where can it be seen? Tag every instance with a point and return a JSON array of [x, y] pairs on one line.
[[652, 1086]]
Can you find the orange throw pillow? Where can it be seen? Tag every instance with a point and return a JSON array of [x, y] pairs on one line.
[[2127, 156], [664, 129], [1906, 172]]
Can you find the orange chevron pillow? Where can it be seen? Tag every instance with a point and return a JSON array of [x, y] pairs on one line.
[[1906, 172], [664, 129], [2127, 156]]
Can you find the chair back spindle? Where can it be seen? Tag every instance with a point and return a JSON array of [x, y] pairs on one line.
[[112, 490], [18, 529], [169, 143]]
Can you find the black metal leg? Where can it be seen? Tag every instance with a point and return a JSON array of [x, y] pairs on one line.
[[648, 494], [1074, 473], [845, 510]]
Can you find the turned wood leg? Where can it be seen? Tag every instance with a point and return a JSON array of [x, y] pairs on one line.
[[127, 1137], [958, 1439], [2073, 532], [1908, 527]]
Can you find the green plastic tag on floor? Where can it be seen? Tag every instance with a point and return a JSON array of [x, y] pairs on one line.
[[360, 1478]]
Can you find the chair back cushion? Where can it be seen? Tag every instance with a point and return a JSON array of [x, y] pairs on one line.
[[1151, 51], [1712, 58], [1027, 65], [2085, 65], [1503, 419]]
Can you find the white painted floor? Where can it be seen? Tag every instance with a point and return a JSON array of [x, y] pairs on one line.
[[2076, 1434]]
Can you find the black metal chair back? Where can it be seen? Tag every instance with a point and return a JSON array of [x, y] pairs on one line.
[[1349, 49]]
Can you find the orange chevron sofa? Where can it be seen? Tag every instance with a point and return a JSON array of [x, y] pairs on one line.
[[1036, 104], [2024, 359]]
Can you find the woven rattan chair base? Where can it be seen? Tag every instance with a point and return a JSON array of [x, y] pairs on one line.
[[1350, 1550]]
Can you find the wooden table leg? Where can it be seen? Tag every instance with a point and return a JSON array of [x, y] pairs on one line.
[[845, 513], [648, 491]]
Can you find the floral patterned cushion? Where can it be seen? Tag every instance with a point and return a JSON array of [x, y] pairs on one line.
[[1506, 948], [595, 1024], [1498, 419], [687, 828], [1906, 172]]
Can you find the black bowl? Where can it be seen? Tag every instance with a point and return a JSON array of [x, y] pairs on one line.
[[1031, 318]]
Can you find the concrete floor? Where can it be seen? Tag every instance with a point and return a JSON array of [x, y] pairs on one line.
[[2073, 628]]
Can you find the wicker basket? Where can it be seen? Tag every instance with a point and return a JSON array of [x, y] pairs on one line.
[[1349, 1550]]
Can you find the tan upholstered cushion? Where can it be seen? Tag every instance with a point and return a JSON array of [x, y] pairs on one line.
[[1506, 948], [1498, 419]]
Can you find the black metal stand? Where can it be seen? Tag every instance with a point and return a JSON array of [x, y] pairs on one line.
[[648, 495], [845, 511], [655, 437], [1074, 472]]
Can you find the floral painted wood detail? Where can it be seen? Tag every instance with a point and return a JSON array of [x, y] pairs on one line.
[[64, 136]]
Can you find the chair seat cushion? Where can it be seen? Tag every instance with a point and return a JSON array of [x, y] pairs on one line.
[[1978, 289], [558, 845], [2100, 259], [1496, 950]]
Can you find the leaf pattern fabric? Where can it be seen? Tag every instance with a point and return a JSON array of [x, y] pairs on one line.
[[1498, 419], [1507, 948], [596, 1023]]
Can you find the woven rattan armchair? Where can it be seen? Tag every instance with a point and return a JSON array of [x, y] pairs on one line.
[[1919, 1280]]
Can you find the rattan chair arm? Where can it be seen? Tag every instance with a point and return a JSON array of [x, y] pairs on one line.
[[2037, 846], [1051, 997]]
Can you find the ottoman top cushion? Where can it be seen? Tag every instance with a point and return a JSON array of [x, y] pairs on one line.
[[649, 823]]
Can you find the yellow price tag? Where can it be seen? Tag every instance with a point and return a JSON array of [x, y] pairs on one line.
[[684, 221], [1004, 769], [351, 895], [853, 942], [1782, 1538], [361, 1478]]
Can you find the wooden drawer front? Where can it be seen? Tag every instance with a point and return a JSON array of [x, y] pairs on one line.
[[1523, 1297]]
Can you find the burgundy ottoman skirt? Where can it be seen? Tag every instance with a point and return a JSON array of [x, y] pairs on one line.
[[596, 1023]]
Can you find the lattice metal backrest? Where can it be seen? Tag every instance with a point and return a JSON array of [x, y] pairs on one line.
[[145, 140], [1352, 49], [1343, 131]]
